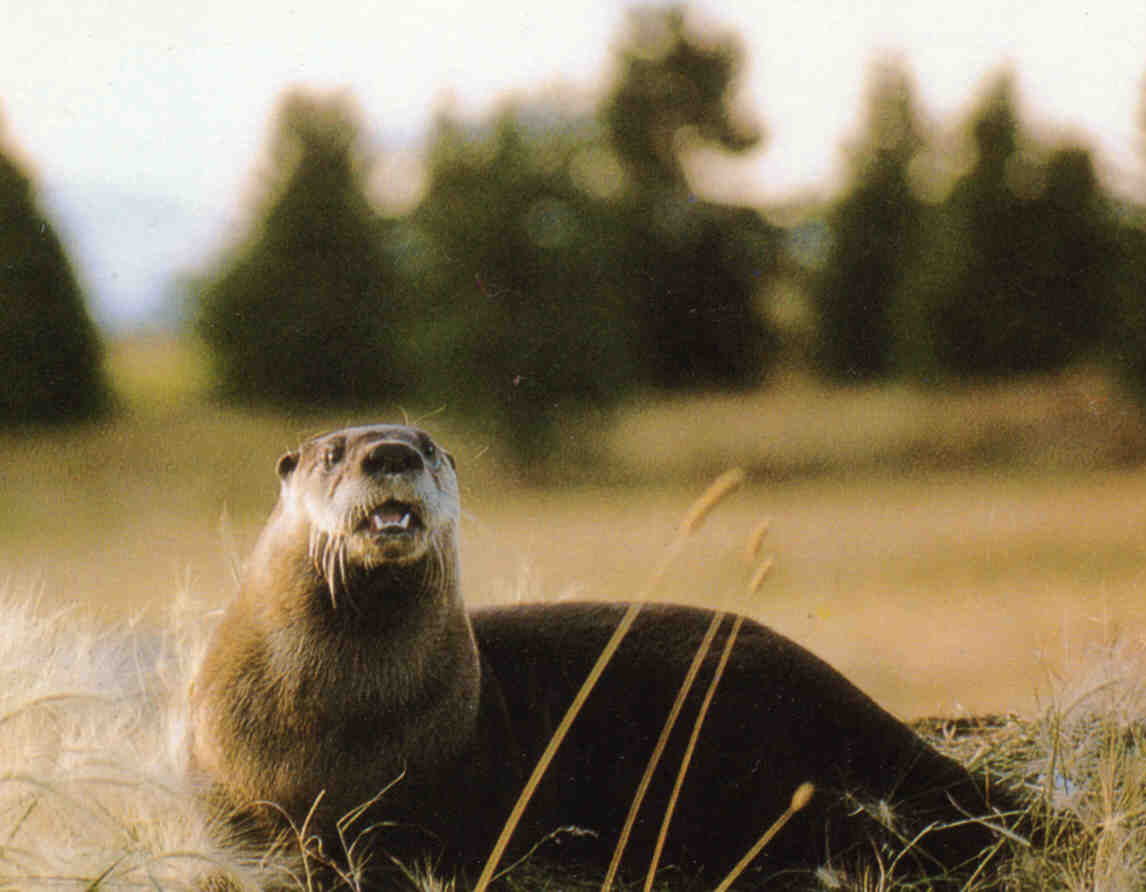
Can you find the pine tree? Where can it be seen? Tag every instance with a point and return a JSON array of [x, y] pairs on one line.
[[304, 311], [1126, 336], [873, 236], [1027, 287], [50, 355], [520, 277], [695, 268]]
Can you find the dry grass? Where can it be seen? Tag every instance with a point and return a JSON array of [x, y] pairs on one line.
[[92, 794], [943, 594], [953, 554], [1078, 419], [937, 590], [92, 790], [1082, 760]]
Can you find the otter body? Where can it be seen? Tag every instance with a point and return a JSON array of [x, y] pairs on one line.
[[348, 670]]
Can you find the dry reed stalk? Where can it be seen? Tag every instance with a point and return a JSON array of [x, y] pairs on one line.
[[555, 741], [800, 798], [697, 724], [757, 580], [719, 489], [658, 750], [755, 541]]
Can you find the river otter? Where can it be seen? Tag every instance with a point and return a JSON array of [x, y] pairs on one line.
[[348, 671]]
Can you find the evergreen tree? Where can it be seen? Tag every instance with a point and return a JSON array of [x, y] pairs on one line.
[[304, 311], [873, 236], [670, 80], [1026, 289], [520, 277], [1127, 334], [695, 267], [50, 355]]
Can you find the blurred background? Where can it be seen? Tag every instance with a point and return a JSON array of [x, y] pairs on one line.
[[890, 258]]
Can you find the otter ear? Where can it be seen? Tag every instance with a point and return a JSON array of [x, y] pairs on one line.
[[287, 463]]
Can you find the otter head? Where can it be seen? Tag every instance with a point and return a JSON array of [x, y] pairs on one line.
[[373, 497]]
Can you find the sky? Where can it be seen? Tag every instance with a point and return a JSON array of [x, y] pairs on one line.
[[142, 121]]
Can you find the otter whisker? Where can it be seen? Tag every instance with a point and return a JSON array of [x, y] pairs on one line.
[[441, 572], [319, 547], [340, 557], [335, 575], [323, 546], [356, 516], [435, 568]]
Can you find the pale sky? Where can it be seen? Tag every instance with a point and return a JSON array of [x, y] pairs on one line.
[[174, 99]]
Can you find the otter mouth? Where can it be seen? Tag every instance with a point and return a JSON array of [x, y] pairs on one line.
[[391, 519]]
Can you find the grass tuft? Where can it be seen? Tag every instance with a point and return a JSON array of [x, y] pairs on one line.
[[92, 788]]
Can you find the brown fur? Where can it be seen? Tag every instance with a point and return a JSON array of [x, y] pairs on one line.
[[317, 683], [348, 666]]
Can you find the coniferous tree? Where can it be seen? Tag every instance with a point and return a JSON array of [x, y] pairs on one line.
[[1127, 334], [1014, 276], [521, 279], [564, 258], [304, 311], [50, 355], [695, 267], [873, 236], [671, 79]]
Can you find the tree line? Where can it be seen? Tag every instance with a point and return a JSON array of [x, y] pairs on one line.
[[558, 260]]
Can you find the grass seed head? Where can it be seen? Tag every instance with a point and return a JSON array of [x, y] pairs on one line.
[[802, 796], [757, 580], [727, 483], [755, 541]]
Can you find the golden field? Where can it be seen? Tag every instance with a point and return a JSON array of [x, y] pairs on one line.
[[949, 552]]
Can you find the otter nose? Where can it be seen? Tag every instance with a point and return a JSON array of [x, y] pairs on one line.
[[392, 457]]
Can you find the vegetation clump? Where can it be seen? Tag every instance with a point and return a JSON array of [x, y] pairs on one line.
[[50, 355]]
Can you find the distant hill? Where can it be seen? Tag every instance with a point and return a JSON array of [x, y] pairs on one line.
[[129, 248]]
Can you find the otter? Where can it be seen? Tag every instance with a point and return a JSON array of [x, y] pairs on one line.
[[348, 686]]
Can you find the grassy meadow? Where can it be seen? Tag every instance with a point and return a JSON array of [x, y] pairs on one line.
[[956, 554], [950, 552]]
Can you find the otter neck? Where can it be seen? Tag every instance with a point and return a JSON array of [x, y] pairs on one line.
[[396, 642], [384, 599]]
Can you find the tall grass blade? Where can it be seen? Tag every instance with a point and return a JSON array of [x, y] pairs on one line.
[[720, 488], [555, 741], [658, 750], [662, 835], [800, 798]]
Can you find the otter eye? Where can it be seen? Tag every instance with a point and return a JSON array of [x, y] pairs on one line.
[[432, 452], [332, 454]]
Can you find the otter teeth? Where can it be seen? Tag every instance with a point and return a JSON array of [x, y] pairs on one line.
[[384, 519]]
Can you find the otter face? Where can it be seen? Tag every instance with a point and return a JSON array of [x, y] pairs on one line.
[[373, 496]]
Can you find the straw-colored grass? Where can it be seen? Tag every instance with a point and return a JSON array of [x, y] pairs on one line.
[[922, 547], [92, 794], [934, 591], [1082, 760], [92, 788]]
